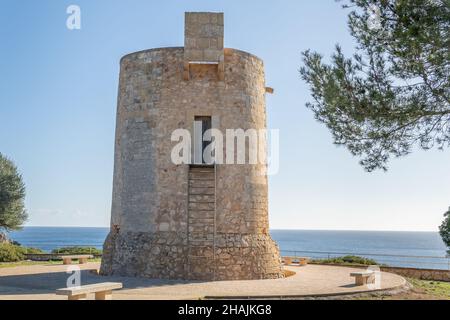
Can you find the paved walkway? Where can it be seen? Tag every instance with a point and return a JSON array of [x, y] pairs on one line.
[[40, 281]]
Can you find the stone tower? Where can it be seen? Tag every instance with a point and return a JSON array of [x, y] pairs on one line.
[[185, 221]]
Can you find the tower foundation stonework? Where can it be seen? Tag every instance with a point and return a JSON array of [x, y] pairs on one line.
[[182, 221]]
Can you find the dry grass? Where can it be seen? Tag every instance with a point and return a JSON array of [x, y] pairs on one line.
[[421, 290], [288, 273]]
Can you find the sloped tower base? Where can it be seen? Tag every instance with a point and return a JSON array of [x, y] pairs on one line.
[[166, 255]]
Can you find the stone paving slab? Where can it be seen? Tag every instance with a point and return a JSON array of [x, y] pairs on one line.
[[39, 282]]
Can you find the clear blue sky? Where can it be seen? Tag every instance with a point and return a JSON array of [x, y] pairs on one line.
[[58, 92]]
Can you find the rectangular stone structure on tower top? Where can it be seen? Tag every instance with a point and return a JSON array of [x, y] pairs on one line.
[[203, 41]]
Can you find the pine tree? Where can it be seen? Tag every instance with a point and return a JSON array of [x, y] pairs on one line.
[[394, 93], [12, 195], [444, 230]]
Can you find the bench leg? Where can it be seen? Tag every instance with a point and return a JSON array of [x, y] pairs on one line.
[[67, 261], [82, 261], [78, 297], [104, 295], [371, 279], [360, 281]]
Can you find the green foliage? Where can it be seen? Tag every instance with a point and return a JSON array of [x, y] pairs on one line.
[[347, 260], [30, 250], [11, 253], [12, 195], [394, 93], [77, 250], [444, 230]]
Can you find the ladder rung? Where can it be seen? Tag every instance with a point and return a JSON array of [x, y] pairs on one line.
[[205, 202]]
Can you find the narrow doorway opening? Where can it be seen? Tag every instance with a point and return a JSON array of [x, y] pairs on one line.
[[202, 125]]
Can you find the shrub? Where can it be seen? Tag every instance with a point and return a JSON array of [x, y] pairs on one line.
[[347, 260], [29, 250], [77, 250], [11, 253]]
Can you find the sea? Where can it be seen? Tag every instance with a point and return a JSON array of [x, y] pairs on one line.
[[401, 249]]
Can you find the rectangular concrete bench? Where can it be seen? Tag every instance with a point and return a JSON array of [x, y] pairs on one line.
[[302, 261], [103, 291], [82, 259], [363, 277]]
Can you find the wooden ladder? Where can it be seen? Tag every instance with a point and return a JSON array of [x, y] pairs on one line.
[[202, 222]]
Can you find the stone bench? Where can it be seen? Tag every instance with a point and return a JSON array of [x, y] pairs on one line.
[[302, 261], [82, 259], [103, 291], [363, 277]]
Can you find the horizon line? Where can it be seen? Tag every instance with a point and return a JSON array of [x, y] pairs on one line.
[[271, 229]]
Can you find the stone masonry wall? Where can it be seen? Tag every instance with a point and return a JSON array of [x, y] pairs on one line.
[[203, 36], [423, 274], [163, 255]]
